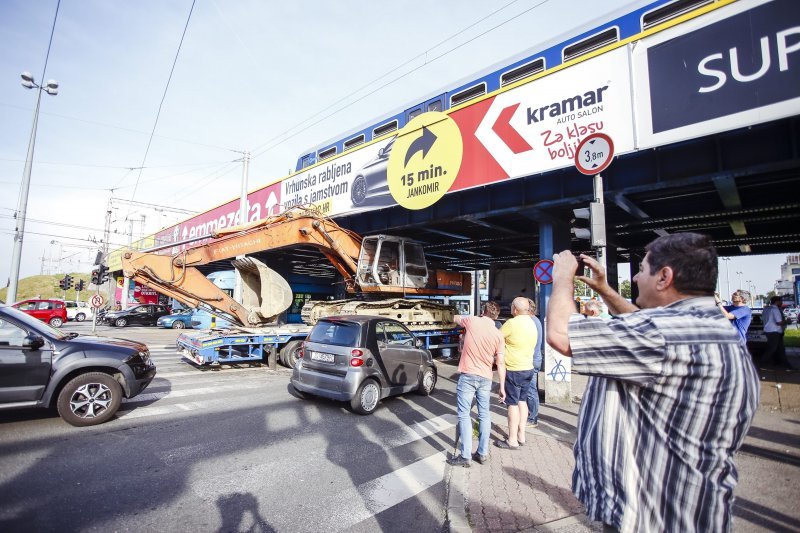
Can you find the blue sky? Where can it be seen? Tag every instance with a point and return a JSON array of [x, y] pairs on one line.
[[248, 71]]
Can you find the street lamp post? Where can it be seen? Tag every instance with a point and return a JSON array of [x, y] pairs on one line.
[[740, 280], [727, 276], [51, 88]]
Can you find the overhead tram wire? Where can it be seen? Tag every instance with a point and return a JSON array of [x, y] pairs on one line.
[[161, 104], [388, 72], [112, 126], [259, 151]]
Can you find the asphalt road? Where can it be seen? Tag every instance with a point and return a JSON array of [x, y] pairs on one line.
[[227, 450]]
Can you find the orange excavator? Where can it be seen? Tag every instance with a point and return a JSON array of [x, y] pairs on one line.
[[377, 266]]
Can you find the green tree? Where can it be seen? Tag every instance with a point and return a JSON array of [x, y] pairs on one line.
[[625, 288]]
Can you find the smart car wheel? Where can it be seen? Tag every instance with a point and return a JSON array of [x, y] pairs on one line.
[[359, 191], [120, 322], [89, 399], [56, 322], [80, 317], [366, 398], [427, 382], [178, 325], [291, 353]]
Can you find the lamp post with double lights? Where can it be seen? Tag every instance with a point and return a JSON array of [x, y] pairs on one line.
[[740, 280], [51, 88]]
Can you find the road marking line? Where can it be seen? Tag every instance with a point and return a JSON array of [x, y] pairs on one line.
[[384, 492], [148, 397]]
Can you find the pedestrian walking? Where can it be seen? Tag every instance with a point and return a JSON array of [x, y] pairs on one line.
[[671, 394], [519, 334], [774, 326], [533, 390], [739, 313], [483, 347]]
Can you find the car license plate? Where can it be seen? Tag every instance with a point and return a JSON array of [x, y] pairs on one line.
[[324, 357]]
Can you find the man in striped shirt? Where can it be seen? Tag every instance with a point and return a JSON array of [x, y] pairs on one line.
[[671, 395]]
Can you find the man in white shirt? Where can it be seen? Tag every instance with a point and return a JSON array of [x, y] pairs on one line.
[[774, 324]]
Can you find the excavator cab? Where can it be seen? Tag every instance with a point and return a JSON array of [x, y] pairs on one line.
[[389, 262]]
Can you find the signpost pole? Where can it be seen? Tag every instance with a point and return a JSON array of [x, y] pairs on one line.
[[598, 197]]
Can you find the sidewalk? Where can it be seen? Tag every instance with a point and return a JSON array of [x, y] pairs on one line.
[[529, 489]]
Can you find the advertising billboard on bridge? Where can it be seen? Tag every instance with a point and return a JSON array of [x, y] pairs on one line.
[[734, 67]]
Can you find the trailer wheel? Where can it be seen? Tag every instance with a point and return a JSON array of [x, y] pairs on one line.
[[289, 353]]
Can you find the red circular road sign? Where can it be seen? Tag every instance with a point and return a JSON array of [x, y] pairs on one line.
[[594, 154], [543, 271], [96, 300]]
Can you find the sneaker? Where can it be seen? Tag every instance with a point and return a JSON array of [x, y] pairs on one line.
[[480, 459], [458, 461], [533, 424]]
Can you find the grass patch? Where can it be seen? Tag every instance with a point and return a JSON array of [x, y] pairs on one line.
[[47, 287], [791, 336]]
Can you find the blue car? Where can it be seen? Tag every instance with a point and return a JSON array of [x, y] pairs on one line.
[[179, 320]]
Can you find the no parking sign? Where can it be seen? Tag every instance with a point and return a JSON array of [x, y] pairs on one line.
[[543, 271]]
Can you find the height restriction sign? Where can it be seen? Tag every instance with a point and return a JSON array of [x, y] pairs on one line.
[[594, 154]]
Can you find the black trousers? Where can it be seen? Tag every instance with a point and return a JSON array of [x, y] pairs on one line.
[[775, 354]]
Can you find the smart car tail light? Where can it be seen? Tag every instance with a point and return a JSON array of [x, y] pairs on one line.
[[355, 352], [355, 361]]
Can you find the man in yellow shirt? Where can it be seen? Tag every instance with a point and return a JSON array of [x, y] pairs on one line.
[[520, 341]]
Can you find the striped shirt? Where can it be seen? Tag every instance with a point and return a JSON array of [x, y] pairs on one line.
[[671, 397]]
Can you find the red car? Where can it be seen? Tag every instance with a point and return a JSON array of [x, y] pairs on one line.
[[54, 312]]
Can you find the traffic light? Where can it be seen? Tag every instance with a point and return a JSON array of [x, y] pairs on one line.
[[596, 230], [62, 284], [80, 285], [100, 275], [103, 273], [68, 281]]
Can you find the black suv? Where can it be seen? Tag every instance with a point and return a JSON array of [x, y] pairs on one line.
[[84, 377], [145, 315]]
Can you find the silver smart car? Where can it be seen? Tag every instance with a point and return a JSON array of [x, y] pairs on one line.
[[361, 360]]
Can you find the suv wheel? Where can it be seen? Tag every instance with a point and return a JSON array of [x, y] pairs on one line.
[[366, 398], [289, 353], [120, 322], [56, 322], [178, 325], [80, 317], [89, 399], [427, 382]]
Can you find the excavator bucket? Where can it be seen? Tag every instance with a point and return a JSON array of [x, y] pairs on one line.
[[265, 294]]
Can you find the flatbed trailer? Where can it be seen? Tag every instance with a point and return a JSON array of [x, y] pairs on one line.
[[273, 344]]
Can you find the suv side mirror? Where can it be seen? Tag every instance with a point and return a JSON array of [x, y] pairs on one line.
[[32, 342]]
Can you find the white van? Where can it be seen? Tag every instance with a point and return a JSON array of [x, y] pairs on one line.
[[78, 311]]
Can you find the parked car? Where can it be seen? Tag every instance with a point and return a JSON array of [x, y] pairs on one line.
[[202, 319], [84, 377], [144, 315], [756, 338], [180, 319], [362, 359], [54, 312], [78, 311]]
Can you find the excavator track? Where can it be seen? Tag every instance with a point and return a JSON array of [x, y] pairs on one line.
[[414, 313]]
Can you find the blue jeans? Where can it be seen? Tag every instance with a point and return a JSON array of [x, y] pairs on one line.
[[468, 389], [533, 394]]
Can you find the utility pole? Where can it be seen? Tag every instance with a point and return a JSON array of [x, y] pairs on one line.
[[243, 210]]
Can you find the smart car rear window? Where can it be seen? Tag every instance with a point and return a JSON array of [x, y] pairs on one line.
[[336, 333]]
